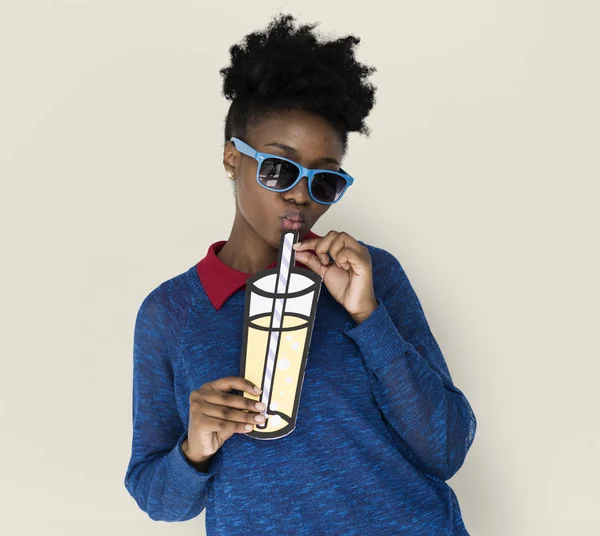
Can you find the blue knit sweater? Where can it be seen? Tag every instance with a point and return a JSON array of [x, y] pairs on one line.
[[379, 430]]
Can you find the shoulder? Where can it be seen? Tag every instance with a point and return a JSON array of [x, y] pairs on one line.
[[381, 256], [167, 305], [386, 265]]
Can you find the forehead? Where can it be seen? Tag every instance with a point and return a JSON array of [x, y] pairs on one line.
[[308, 133]]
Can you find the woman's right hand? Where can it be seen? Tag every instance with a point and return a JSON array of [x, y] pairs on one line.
[[216, 414]]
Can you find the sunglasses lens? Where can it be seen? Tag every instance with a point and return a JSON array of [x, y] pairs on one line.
[[327, 187], [277, 174], [280, 174]]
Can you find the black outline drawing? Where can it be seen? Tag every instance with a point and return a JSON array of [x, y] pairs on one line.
[[317, 281]]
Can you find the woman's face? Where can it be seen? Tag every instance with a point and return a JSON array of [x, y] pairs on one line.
[[311, 141]]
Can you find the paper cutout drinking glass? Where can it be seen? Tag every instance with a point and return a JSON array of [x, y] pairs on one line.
[[279, 316]]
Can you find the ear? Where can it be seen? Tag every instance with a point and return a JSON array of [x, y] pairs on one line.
[[230, 155]]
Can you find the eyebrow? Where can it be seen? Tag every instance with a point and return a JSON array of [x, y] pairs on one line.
[[327, 159]]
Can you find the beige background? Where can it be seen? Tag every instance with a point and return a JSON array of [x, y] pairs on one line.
[[481, 176]]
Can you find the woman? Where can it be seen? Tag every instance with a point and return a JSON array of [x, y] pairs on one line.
[[380, 426]]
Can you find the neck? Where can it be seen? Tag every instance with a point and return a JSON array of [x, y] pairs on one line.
[[246, 250]]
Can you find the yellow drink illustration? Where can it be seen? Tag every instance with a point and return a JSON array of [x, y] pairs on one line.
[[280, 312], [287, 380]]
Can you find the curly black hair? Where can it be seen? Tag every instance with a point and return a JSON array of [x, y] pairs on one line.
[[284, 68]]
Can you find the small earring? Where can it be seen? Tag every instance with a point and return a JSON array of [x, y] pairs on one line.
[[230, 175]]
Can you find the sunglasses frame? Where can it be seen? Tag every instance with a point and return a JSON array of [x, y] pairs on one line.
[[304, 172]]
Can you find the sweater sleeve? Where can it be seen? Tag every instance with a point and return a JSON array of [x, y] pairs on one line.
[[430, 419], [159, 477]]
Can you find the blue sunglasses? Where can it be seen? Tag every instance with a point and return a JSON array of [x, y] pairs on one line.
[[279, 174]]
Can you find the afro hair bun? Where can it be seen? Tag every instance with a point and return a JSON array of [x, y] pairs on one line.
[[288, 67]]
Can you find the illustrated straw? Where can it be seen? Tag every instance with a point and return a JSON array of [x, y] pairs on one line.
[[283, 272]]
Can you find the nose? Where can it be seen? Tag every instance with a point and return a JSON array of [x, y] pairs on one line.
[[298, 193]]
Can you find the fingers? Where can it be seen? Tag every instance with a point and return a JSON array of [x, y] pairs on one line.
[[212, 408], [349, 258], [215, 424], [319, 245], [228, 413], [230, 383], [333, 242], [312, 262], [339, 245], [209, 417], [343, 258], [231, 400]]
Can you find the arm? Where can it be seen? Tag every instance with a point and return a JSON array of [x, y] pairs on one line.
[[159, 477], [429, 418]]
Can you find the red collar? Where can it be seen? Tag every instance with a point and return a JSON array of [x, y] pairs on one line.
[[220, 280]]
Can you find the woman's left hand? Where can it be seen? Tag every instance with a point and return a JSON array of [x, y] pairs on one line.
[[349, 278]]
